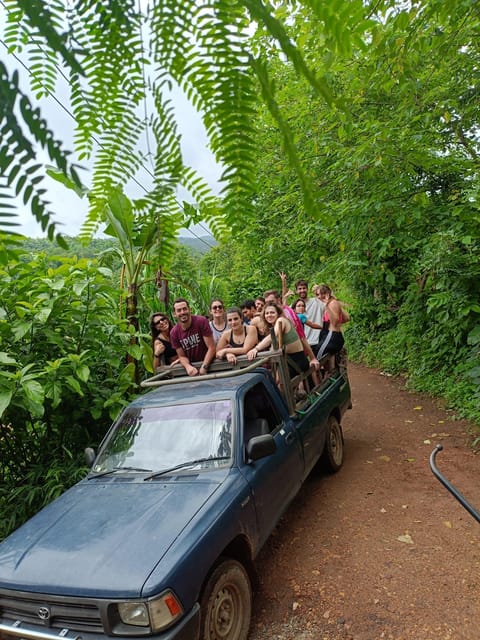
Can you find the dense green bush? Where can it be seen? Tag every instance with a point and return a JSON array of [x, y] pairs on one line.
[[63, 376]]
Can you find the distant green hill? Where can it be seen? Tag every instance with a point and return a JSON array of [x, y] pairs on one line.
[[200, 244]]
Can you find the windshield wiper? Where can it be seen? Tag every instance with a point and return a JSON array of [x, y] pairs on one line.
[[114, 470], [185, 464]]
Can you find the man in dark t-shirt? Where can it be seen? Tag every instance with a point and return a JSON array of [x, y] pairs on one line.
[[192, 339]]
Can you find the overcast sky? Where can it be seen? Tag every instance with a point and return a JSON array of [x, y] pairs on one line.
[[69, 209]]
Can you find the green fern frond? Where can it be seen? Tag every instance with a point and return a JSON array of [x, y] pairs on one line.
[[110, 37], [215, 76], [15, 34], [17, 153], [168, 162], [169, 169], [43, 61], [47, 21], [88, 120], [157, 222], [115, 163]]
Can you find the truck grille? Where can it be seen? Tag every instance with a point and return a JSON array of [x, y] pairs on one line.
[[51, 611]]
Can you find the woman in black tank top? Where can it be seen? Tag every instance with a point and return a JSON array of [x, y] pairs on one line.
[[240, 339], [233, 342]]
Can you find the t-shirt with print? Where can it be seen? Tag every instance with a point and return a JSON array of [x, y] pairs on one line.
[[191, 339]]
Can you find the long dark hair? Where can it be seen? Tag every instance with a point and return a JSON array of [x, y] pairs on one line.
[[155, 332], [294, 304]]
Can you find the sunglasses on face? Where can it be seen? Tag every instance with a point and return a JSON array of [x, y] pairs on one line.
[[160, 320], [216, 307]]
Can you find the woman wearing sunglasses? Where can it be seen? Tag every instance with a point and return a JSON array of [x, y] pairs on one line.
[[163, 352], [218, 319]]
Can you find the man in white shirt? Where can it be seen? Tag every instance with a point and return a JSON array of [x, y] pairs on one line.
[[314, 309]]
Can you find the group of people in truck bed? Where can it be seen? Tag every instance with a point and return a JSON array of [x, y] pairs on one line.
[[307, 329]]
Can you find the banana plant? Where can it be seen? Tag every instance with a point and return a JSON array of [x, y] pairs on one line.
[[141, 237], [145, 235]]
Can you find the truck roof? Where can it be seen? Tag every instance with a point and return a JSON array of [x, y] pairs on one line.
[[193, 389]]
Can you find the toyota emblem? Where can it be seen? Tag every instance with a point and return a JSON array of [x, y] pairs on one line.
[[43, 613]]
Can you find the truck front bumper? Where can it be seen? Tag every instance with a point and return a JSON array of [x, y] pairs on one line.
[[188, 628]]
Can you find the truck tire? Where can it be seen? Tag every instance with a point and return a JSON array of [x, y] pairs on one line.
[[226, 603], [332, 456]]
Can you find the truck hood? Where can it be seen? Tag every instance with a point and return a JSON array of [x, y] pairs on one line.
[[102, 537]]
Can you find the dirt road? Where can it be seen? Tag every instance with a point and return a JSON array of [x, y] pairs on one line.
[[380, 550]]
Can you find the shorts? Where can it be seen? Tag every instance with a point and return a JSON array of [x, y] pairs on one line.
[[331, 342], [300, 360]]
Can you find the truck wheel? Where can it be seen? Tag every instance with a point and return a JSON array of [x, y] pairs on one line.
[[226, 603], [332, 456]]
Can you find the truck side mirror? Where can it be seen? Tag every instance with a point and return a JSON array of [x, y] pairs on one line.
[[260, 447], [89, 456]]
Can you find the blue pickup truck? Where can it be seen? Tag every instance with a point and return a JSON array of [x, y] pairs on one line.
[[159, 539]]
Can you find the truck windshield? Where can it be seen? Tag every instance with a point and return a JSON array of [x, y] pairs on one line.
[[152, 438]]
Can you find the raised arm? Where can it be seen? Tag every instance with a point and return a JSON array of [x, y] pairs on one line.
[[286, 296], [283, 278]]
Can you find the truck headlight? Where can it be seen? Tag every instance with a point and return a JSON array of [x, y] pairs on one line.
[[134, 613], [156, 614]]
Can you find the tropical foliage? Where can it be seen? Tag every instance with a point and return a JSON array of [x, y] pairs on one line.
[[63, 374]]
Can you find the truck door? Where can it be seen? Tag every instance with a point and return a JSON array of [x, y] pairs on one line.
[[275, 479]]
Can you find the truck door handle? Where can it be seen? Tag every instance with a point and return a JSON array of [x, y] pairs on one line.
[[289, 438]]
